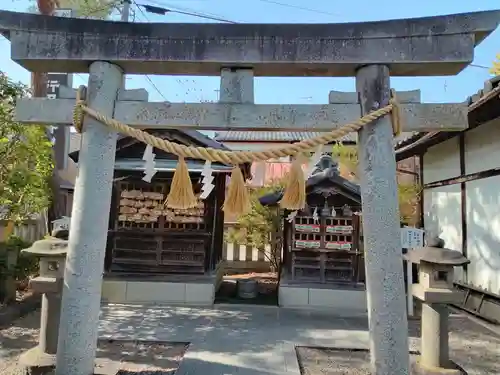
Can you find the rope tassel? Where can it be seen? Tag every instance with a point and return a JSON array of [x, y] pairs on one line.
[[237, 200], [295, 189], [181, 195]]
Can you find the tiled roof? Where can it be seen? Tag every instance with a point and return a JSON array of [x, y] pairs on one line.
[[490, 90], [266, 136]]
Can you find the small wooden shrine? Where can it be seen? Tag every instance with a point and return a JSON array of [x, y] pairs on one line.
[[145, 237], [322, 242]]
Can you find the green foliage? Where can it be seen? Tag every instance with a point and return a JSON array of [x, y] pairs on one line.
[[408, 194], [97, 9], [495, 69], [26, 159], [255, 227], [27, 264]]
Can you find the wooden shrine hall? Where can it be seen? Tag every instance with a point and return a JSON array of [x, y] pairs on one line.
[[322, 247], [162, 248]]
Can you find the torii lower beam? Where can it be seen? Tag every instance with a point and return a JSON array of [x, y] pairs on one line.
[[232, 116]]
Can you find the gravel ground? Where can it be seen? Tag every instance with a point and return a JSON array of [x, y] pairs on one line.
[[134, 358], [22, 335], [324, 361], [472, 346]]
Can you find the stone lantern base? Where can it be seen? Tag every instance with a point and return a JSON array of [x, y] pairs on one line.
[[36, 362], [451, 369]]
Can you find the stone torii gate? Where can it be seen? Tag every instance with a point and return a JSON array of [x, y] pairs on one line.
[[370, 51]]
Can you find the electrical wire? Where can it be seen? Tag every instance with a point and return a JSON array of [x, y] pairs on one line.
[[146, 76], [190, 12], [298, 7], [156, 88], [163, 11]]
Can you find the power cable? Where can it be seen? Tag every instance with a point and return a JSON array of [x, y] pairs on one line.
[[189, 11], [147, 77], [156, 88], [298, 7], [162, 11]]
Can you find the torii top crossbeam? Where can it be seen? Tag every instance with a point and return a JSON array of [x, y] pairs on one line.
[[429, 46]]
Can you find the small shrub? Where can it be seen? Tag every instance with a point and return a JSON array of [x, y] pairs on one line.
[[27, 264]]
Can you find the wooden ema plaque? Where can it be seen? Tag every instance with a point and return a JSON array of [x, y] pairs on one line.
[[305, 244], [310, 228], [338, 245], [343, 229]]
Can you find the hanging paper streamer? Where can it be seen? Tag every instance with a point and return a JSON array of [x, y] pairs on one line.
[[291, 216], [207, 182], [150, 164], [315, 215], [313, 161]]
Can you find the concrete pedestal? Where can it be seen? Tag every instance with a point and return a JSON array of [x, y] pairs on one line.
[[435, 335], [49, 322], [435, 351], [40, 360]]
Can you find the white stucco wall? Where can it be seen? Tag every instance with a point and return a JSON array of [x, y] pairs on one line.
[[442, 205], [482, 147]]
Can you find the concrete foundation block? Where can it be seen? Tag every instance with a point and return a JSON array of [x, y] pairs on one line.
[[293, 297], [200, 294], [113, 291], [337, 301], [159, 292], [142, 291], [345, 299]]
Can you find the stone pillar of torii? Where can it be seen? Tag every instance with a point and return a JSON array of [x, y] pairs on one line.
[[371, 52]]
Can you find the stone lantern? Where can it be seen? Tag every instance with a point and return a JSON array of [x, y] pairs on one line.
[[435, 289], [52, 256]]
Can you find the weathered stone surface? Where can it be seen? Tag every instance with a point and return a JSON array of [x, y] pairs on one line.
[[89, 220], [384, 270], [441, 45], [436, 255], [344, 97], [228, 116]]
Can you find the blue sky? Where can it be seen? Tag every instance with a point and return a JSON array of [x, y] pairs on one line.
[[297, 90]]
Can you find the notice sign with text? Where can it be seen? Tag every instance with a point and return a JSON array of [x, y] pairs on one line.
[[412, 238], [54, 81]]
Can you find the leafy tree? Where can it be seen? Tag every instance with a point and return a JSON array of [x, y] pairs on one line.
[[260, 227], [26, 156], [98, 9], [409, 194], [25, 171], [496, 66]]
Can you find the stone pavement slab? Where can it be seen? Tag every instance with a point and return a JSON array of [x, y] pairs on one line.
[[231, 340], [251, 340]]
